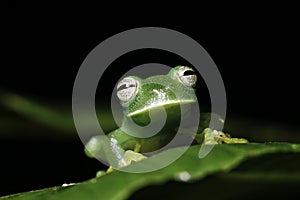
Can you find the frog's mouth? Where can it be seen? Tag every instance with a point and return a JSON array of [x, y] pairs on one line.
[[157, 105]]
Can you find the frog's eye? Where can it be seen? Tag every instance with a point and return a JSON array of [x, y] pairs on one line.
[[187, 76], [127, 89]]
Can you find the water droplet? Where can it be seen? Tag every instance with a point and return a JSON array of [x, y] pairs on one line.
[[68, 184], [184, 176]]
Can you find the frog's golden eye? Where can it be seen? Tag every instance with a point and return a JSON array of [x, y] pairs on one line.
[[127, 89], [187, 76]]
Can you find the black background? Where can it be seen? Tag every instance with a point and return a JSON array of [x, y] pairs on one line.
[[256, 51]]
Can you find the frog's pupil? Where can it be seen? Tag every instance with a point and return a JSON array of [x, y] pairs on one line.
[[125, 86], [188, 72]]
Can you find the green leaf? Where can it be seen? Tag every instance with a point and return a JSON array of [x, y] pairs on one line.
[[188, 168], [46, 115]]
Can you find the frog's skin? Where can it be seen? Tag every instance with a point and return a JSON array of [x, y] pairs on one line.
[[138, 97]]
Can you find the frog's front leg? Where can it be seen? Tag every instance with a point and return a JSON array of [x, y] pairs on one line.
[[117, 148], [212, 136], [126, 160], [125, 147], [209, 136]]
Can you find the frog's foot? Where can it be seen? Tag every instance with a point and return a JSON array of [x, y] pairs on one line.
[[218, 137], [127, 158], [227, 139], [131, 156], [101, 173]]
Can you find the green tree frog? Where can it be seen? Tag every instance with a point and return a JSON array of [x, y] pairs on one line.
[[139, 96]]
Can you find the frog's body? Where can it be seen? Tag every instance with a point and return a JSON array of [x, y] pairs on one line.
[[141, 96]]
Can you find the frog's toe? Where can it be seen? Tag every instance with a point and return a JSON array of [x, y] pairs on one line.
[[229, 140], [210, 136], [226, 138], [101, 173], [218, 137], [132, 156]]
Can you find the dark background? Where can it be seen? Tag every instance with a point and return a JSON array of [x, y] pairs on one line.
[[256, 52]]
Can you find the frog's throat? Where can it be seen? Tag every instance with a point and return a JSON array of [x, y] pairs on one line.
[[156, 105]]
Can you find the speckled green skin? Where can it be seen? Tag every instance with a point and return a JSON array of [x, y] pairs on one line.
[[163, 90], [167, 92]]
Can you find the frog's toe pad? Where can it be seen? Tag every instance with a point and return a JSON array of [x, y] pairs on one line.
[[100, 173]]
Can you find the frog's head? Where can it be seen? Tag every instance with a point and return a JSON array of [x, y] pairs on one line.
[[139, 96]]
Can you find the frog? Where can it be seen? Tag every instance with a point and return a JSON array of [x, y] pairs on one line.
[[140, 97]]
